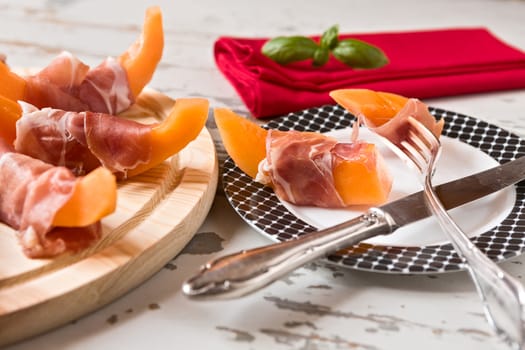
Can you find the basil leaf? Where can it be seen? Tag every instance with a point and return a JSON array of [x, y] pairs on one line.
[[358, 54], [285, 50], [321, 56], [352, 52], [329, 38]]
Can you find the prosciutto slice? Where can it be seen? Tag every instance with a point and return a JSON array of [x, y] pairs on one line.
[[395, 130], [105, 88], [299, 165], [31, 193], [68, 84], [83, 141]]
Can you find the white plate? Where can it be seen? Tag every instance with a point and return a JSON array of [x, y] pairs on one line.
[[496, 223]]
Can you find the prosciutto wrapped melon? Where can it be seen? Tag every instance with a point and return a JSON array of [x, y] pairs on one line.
[[306, 168], [83, 141], [111, 87], [52, 210], [385, 113]]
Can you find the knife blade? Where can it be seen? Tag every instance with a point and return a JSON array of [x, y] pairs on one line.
[[244, 272], [458, 192]]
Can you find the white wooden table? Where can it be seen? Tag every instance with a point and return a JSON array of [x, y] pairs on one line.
[[315, 307]]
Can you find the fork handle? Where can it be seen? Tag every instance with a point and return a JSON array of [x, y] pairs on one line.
[[247, 271], [503, 296]]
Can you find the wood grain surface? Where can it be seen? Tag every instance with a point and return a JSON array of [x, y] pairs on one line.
[[158, 212]]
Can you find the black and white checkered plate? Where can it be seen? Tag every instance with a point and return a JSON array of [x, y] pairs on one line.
[[260, 207]]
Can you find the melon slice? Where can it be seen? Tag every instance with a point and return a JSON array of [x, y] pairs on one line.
[[143, 56], [183, 124], [378, 107], [10, 112], [364, 179], [12, 86], [244, 140], [94, 197]]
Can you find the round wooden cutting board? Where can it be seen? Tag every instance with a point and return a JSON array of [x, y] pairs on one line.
[[158, 212]]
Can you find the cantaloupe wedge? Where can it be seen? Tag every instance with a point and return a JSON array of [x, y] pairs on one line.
[[244, 140], [12, 86], [94, 197], [142, 57], [364, 180], [184, 123], [359, 180], [10, 112], [378, 107]]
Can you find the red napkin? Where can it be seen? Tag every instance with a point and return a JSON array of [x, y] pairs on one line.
[[422, 64]]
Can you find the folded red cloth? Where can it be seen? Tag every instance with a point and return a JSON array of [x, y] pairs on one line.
[[422, 64]]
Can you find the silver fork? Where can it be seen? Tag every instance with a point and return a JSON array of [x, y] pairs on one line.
[[503, 296]]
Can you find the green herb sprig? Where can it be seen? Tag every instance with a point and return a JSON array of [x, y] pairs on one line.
[[352, 52]]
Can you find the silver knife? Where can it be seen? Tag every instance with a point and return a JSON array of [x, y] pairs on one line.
[[247, 271]]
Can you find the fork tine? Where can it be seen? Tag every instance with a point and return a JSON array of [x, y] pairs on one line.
[[424, 133], [422, 147], [414, 155], [427, 143]]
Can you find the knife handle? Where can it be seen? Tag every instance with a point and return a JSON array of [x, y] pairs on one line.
[[247, 271]]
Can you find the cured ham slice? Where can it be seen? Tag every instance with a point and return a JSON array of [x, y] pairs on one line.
[[32, 192], [300, 168], [65, 71], [395, 130], [68, 84], [83, 141], [105, 88]]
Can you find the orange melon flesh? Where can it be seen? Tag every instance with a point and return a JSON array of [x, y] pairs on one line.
[[10, 112], [244, 140], [94, 197], [363, 180], [184, 123], [377, 107], [142, 57], [12, 86]]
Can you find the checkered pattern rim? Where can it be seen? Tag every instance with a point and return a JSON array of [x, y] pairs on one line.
[[261, 208]]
